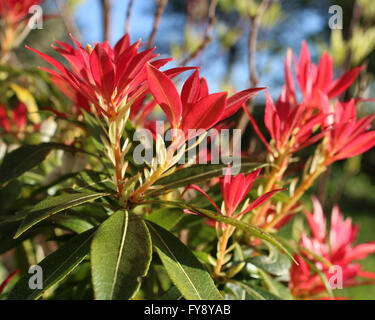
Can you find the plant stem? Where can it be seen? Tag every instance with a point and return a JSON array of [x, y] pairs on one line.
[[222, 248], [306, 184], [118, 169], [158, 172], [276, 175], [155, 176]]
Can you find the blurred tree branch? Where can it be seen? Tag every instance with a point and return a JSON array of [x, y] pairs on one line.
[[128, 15], [106, 16], [253, 76], [66, 16], [355, 20], [207, 34], [161, 4]]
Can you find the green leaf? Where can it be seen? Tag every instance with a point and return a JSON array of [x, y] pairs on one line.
[[275, 262], [236, 290], [204, 257], [53, 205], [276, 287], [195, 174], [166, 217], [55, 267], [27, 157], [9, 195], [85, 180], [121, 253], [73, 223], [7, 230], [256, 291], [95, 181], [253, 230], [172, 294], [93, 127], [184, 269]]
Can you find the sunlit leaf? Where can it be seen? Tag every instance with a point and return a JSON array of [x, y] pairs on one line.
[[197, 173], [185, 271], [120, 256], [53, 205], [27, 157], [55, 266]]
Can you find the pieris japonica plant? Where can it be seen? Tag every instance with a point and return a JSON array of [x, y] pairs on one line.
[[115, 205]]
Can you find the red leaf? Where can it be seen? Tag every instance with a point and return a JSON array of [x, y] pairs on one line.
[[197, 188], [366, 274], [19, 116], [174, 72], [52, 61], [4, 121], [121, 45], [271, 119], [73, 56], [165, 94], [102, 70], [325, 73], [344, 82], [309, 125], [205, 113], [263, 198], [359, 145], [289, 76], [303, 74], [161, 62], [360, 251], [235, 101], [135, 71], [190, 92], [123, 61], [204, 88]]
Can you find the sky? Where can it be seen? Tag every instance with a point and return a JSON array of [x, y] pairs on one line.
[[270, 68]]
